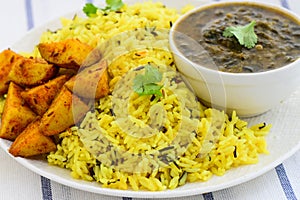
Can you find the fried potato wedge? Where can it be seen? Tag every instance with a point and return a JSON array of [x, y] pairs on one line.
[[70, 53], [92, 82], [31, 72], [40, 97], [65, 110], [32, 142], [67, 72], [7, 60], [16, 114]]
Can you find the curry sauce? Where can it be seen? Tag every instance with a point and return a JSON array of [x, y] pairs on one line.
[[199, 37]]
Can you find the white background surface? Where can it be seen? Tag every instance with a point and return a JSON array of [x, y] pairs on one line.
[[17, 182]]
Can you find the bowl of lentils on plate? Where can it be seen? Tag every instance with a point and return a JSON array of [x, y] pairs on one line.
[[236, 55]]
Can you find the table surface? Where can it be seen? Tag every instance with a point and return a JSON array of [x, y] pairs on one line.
[[17, 182]]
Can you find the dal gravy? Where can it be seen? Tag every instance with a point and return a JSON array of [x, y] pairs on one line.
[[278, 38]]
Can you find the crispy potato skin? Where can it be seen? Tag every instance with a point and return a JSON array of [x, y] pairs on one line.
[[61, 113], [16, 114], [91, 83], [31, 72], [40, 97], [31, 142], [46, 96], [70, 53], [7, 60]]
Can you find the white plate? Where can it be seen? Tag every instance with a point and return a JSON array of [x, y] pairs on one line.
[[283, 141]]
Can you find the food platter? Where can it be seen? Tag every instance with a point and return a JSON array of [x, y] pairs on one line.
[[283, 141]]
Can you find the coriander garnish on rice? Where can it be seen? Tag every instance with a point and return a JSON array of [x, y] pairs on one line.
[[147, 84]]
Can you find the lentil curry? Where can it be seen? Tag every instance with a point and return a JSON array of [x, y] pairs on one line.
[[278, 38]]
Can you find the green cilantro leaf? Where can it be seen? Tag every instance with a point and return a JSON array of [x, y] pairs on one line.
[[114, 5], [147, 84], [245, 34], [89, 9], [111, 5]]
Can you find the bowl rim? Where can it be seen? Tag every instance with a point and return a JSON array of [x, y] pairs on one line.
[[207, 70]]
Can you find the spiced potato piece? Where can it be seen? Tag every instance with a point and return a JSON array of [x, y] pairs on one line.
[[40, 97], [92, 82], [69, 53], [7, 60], [32, 142], [31, 71], [65, 110], [16, 114]]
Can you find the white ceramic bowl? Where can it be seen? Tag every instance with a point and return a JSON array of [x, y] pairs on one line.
[[249, 94]]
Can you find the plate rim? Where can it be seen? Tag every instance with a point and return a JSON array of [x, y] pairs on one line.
[[97, 188]]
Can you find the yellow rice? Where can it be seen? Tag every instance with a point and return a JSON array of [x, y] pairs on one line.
[[219, 142]]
